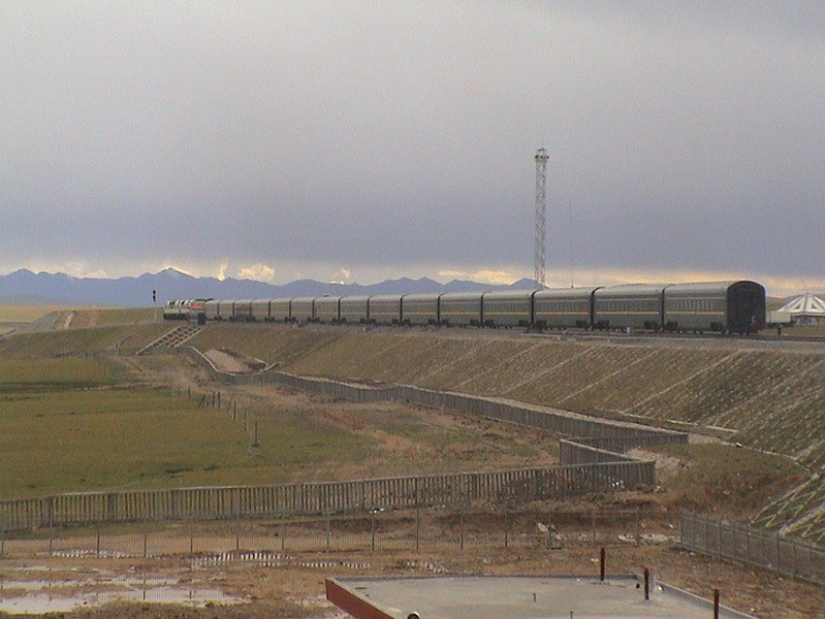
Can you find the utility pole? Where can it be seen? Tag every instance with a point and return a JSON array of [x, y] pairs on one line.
[[541, 214]]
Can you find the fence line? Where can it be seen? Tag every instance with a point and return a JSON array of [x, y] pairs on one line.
[[215, 503], [584, 434], [743, 544], [588, 465], [456, 527]]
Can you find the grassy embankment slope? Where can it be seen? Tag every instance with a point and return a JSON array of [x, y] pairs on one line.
[[16, 316], [766, 400]]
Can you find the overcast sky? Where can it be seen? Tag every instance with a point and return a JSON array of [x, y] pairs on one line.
[[360, 141]]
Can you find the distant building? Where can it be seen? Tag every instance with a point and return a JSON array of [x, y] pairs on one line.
[[807, 309]]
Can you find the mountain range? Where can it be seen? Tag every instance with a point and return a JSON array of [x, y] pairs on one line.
[[23, 287]]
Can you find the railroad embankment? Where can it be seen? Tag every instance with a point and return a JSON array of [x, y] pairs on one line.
[[767, 399], [770, 400]]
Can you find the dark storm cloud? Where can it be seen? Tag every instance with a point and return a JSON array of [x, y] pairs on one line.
[[391, 139]]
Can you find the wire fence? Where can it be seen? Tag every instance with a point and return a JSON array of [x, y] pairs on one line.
[[740, 543], [453, 528]]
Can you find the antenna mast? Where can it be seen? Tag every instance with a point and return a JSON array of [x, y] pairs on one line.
[[541, 214]]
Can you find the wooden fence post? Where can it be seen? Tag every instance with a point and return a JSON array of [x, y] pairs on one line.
[[461, 528], [417, 528], [372, 526]]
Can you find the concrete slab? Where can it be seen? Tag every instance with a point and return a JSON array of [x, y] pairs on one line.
[[519, 597]]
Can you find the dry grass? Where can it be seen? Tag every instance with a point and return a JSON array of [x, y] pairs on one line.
[[772, 401], [125, 339], [23, 314]]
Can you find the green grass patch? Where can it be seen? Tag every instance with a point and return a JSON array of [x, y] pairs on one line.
[[108, 439], [128, 315], [39, 374]]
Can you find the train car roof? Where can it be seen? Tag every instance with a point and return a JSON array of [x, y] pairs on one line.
[[630, 289], [302, 299], [355, 298], [464, 295], [386, 297], [566, 293], [510, 294], [328, 298], [423, 296], [696, 287]]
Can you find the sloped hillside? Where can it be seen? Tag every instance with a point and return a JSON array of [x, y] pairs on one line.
[[115, 339], [767, 400]]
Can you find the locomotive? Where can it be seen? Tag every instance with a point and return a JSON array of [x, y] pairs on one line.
[[723, 307]]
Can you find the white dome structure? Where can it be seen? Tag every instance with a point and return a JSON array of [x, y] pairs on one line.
[[807, 309]]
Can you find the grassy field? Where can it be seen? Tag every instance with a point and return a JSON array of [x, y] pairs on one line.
[[65, 427], [116, 316], [69, 424], [768, 400], [50, 374]]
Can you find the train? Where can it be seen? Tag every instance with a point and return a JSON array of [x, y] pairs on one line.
[[732, 307]]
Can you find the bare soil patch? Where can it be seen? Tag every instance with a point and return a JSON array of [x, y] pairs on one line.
[[227, 362]]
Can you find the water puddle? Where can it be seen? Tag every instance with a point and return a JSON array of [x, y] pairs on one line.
[[37, 597]]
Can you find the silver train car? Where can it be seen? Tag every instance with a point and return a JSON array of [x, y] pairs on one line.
[[563, 308], [629, 307], [723, 307], [726, 307]]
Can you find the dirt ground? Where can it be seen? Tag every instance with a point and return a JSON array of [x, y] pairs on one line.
[[295, 586], [296, 589]]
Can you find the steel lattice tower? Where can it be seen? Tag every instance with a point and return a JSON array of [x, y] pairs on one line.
[[541, 214]]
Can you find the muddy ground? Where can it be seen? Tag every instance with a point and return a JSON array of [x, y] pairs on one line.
[[296, 589]]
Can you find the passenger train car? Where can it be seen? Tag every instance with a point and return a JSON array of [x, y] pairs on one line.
[[724, 307]]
